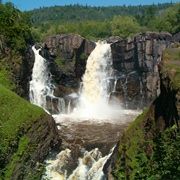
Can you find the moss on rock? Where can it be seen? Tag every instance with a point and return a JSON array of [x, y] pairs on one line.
[[23, 146], [140, 148]]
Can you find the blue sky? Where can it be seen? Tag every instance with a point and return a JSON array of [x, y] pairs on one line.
[[32, 4]]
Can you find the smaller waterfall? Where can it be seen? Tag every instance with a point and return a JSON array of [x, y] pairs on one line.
[[41, 87], [114, 86]]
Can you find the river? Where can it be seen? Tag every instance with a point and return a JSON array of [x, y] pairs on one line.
[[90, 131]]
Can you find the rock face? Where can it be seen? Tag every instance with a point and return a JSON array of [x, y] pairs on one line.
[[73, 50], [43, 136], [27, 135], [163, 113], [141, 54], [135, 63]]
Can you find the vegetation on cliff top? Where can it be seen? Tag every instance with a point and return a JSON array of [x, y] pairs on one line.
[[15, 28], [171, 65], [149, 148], [103, 22], [15, 34]]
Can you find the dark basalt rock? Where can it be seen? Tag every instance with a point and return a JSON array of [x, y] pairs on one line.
[[67, 55], [163, 113]]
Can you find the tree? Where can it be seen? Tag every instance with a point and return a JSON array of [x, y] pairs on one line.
[[164, 162], [15, 27], [168, 22], [172, 17], [124, 26], [150, 13]]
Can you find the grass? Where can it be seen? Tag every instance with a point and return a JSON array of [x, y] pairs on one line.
[[133, 145], [14, 112], [130, 145], [17, 116], [5, 75], [22, 150], [171, 65]]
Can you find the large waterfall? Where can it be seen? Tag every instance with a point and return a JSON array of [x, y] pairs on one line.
[[95, 80], [93, 119], [96, 89]]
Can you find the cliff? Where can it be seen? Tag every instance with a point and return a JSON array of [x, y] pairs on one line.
[[150, 146], [135, 58], [135, 64], [27, 135]]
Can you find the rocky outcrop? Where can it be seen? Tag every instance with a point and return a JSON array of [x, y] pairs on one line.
[[148, 128], [17, 70], [71, 48], [27, 136], [137, 58], [142, 54], [135, 63], [43, 136]]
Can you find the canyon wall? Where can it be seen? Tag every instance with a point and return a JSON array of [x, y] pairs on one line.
[[135, 64], [27, 135], [150, 142]]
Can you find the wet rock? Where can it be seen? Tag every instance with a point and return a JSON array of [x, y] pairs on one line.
[[142, 54], [67, 55], [148, 129]]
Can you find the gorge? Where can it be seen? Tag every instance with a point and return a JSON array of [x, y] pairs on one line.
[[92, 110], [127, 82]]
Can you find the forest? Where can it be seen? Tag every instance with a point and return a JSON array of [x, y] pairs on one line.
[[102, 22], [92, 23]]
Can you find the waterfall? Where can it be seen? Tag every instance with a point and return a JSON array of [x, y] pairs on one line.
[[114, 86], [95, 80], [41, 88], [92, 106], [95, 93]]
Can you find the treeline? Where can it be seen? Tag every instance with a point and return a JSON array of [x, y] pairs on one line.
[[102, 22], [19, 28], [79, 14]]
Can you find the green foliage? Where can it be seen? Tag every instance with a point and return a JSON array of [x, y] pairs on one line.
[[22, 150], [172, 19], [83, 56], [138, 158], [165, 161], [96, 23], [130, 145], [17, 116], [171, 67], [168, 22], [14, 27], [60, 61], [4, 75], [73, 14], [124, 26]]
